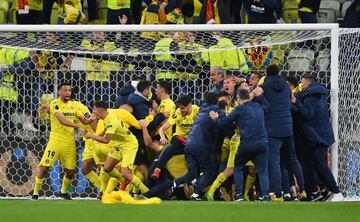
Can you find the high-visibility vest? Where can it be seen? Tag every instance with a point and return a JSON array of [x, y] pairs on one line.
[[225, 55], [9, 56], [162, 53], [99, 70], [118, 4], [7, 88]]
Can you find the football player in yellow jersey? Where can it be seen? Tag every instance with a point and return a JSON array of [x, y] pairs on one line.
[[124, 146], [88, 161], [230, 82], [102, 150], [61, 145], [183, 119], [163, 91]]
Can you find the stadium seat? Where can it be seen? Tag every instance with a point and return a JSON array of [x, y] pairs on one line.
[[290, 12], [323, 60], [4, 9], [329, 11], [300, 60], [344, 7]]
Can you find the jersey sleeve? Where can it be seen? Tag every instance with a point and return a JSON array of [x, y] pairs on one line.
[[54, 107], [175, 117], [110, 126], [82, 110], [130, 119]]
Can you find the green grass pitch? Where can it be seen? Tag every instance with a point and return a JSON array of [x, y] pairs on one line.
[[184, 211]]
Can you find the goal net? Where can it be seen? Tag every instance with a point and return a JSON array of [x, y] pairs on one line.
[[99, 60]]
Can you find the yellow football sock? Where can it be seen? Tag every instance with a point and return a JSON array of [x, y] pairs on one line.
[[137, 183], [129, 188], [66, 182], [141, 178], [249, 183], [139, 175], [115, 173], [111, 185], [220, 179], [37, 187], [94, 179], [104, 179]]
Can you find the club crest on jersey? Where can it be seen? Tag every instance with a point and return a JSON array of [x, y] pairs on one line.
[[174, 116]]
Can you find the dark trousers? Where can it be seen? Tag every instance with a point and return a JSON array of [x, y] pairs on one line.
[[113, 16], [32, 18], [307, 17], [275, 144], [47, 9], [175, 148], [315, 164], [91, 9], [258, 153], [199, 159], [160, 186], [136, 11]]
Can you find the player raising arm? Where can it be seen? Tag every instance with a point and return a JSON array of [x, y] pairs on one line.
[[61, 144]]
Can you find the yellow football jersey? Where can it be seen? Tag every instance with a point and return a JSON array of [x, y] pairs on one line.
[[183, 123], [85, 112], [70, 112], [128, 119], [167, 105], [121, 135]]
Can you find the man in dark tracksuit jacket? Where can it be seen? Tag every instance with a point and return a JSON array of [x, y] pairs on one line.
[[279, 127], [200, 151], [313, 109], [141, 104], [249, 117]]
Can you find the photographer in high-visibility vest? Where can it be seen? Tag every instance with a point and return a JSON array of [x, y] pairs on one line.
[[8, 93], [225, 55]]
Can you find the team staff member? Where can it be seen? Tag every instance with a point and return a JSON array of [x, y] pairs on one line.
[[249, 118]]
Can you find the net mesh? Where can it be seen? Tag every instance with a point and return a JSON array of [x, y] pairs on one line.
[[349, 119], [98, 64]]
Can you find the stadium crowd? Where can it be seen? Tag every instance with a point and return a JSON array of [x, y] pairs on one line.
[[274, 134], [181, 11]]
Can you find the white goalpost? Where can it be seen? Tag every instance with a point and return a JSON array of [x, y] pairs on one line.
[[126, 53]]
